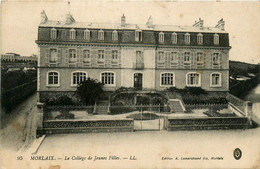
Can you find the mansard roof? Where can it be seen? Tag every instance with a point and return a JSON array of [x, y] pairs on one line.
[[118, 26]]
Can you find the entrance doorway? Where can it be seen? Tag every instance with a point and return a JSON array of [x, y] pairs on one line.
[[138, 81]]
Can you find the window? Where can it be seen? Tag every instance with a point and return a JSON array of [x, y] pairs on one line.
[[101, 54], [53, 55], [187, 38], [72, 54], [200, 57], [167, 79], [161, 37], [174, 38], [100, 35], [215, 79], [53, 33], [216, 39], [161, 56], [200, 39], [114, 35], [107, 78], [114, 54], [86, 54], [187, 57], [139, 59], [72, 34], [87, 34], [78, 77], [138, 35], [193, 79], [174, 56], [53, 79], [215, 59]]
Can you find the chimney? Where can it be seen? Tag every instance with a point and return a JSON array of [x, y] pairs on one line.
[[149, 23], [69, 19], [44, 17], [221, 24], [123, 20], [199, 24]]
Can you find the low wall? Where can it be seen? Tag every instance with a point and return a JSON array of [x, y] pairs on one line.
[[77, 126], [207, 123]]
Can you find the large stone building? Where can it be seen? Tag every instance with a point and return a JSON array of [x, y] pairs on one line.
[[13, 57], [146, 57]]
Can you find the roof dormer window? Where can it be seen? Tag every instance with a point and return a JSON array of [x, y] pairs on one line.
[[161, 37], [53, 33], [187, 38], [174, 38], [100, 35], [87, 34], [216, 39], [115, 35], [138, 35], [200, 39], [72, 34]]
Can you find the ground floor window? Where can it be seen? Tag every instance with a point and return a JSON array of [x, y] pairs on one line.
[[53, 78], [193, 79], [215, 79], [78, 77], [107, 78], [167, 79]]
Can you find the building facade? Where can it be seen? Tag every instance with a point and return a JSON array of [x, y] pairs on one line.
[[145, 57], [13, 57]]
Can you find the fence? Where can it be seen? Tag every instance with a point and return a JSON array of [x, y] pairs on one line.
[[206, 123], [71, 126]]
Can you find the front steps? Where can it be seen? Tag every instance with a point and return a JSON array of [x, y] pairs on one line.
[[176, 106]]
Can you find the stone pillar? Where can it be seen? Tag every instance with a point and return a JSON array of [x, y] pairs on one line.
[[248, 111], [39, 122]]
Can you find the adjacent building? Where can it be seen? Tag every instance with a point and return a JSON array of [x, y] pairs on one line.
[[143, 56], [13, 57]]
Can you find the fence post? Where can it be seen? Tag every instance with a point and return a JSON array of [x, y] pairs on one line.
[[141, 116], [248, 111], [95, 108], [159, 118], [108, 109]]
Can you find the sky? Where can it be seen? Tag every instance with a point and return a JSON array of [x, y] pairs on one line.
[[20, 20]]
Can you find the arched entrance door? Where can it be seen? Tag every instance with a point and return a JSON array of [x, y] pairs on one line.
[[138, 81]]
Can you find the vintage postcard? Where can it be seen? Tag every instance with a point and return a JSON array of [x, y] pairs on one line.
[[130, 84]]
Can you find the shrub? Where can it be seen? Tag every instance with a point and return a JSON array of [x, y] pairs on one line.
[[63, 100], [188, 90], [89, 90]]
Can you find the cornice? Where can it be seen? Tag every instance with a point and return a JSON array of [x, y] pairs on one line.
[[120, 45]]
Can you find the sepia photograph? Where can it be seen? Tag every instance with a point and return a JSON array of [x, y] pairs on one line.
[[130, 84]]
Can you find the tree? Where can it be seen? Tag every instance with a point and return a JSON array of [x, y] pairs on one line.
[[89, 90]]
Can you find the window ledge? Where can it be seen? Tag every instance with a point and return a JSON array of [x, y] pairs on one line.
[[53, 86], [215, 86], [193, 85], [167, 85]]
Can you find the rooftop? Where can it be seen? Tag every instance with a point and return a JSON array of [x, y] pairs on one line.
[[71, 23]]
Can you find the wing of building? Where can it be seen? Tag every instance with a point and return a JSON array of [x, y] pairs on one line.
[[147, 57]]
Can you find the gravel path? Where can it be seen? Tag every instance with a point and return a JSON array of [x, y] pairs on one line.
[[18, 128]]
